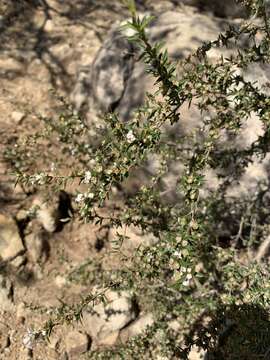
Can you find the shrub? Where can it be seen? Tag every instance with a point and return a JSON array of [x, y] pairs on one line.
[[218, 296]]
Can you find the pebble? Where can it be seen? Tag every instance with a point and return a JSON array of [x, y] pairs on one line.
[[17, 116]]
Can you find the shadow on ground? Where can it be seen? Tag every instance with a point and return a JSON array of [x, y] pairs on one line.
[[24, 34], [237, 332]]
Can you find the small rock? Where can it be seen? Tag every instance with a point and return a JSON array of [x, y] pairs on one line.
[[20, 320], [54, 342], [37, 246], [37, 271], [109, 340], [18, 261], [4, 341], [17, 116], [12, 334], [104, 320], [47, 214], [10, 241], [76, 343], [196, 354], [25, 354], [21, 313], [136, 327], [49, 25], [6, 303], [7, 352], [54, 212], [60, 281], [22, 215]]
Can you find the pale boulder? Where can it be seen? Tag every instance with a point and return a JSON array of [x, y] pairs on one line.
[[136, 327], [10, 241], [76, 343], [104, 320]]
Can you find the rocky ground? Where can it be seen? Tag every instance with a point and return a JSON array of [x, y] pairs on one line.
[[43, 45]]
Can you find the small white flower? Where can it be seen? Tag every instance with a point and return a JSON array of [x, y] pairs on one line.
[[187, 280], [38, 179], [98, 169], [189, 277], [130, 136], [90, 195], [79, 198], [185, 243], [177, 254], [87, 177]]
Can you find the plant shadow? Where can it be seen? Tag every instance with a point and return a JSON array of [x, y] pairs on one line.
[[236, 332]]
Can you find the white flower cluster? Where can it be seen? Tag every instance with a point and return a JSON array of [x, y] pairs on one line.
[[130, 136], [81, 197], [74, 151], [39, 179], [177, 254], [188, 276], [87, 177]]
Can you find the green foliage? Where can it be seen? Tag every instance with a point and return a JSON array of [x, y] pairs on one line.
[[189, 276]]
